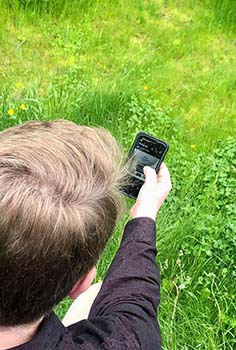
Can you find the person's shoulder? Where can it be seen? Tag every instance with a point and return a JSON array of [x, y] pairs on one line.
[[117, 331], [104, 333]]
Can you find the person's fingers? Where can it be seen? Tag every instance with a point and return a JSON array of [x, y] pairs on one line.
[[152, 193], [163, 174], [162, 165], [150, 175]]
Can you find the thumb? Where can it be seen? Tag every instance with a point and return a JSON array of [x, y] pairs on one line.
[[150, 175]]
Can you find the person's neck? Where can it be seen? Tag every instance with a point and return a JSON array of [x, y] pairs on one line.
[[14, 336]]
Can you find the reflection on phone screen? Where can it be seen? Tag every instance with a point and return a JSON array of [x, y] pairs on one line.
[[142, 159]]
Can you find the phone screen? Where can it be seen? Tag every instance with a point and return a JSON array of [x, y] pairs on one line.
[[146, 150], [142, 159]]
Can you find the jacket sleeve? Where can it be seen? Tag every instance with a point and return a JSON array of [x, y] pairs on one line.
[[131, 288]]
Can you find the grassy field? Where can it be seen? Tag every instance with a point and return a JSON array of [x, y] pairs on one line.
[[165, 67]]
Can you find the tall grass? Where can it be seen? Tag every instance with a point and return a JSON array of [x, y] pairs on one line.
[[42, 7], [225, 12], [57, 8]]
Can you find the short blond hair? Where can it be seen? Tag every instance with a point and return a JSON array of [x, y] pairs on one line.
[[59, 204]]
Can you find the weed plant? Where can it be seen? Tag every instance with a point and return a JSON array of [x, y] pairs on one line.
[[165, 68]]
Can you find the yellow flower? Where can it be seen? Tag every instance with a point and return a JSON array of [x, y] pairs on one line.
[[19, 85], [145, 87], [177, 42], [193, 146], [21, 38], [71, 60], [23, 106], [11, 111]]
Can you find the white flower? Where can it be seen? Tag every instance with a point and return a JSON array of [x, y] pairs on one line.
[[166, 264], [178, 262]]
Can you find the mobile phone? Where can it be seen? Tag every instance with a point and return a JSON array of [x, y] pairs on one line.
[[145, 150]]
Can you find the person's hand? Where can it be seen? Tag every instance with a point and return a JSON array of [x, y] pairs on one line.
[[153, 192]]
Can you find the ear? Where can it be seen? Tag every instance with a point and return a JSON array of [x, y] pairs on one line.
[[83, 284]]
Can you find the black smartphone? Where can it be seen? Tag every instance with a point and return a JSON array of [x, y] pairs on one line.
[[146, 150]]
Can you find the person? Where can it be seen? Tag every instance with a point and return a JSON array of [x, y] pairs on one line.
[[59, 204]]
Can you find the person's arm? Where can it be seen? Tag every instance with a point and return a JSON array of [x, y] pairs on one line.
[[131, 288]]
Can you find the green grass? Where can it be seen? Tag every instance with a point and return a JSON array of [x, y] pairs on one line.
[[166, 67], [225, 13]]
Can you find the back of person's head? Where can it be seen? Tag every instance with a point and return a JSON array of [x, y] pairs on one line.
[[59, 203]]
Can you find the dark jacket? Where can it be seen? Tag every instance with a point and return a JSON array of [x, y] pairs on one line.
[[123, 315]]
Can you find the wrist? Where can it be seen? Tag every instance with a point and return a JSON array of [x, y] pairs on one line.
[[144, 212]]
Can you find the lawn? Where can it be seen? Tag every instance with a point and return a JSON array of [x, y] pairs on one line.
[[165, 67]]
